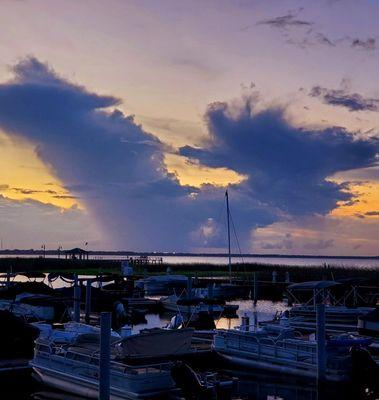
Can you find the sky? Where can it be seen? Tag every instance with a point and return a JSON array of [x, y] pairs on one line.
[[122, 123]]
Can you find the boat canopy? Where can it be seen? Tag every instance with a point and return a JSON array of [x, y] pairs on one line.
[[352, 281], [157, 342], [313, 285]]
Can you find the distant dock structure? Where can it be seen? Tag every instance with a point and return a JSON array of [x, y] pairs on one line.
[[76, 254], [145, 260]]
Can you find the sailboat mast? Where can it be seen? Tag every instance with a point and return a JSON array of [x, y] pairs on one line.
[[229, 256]]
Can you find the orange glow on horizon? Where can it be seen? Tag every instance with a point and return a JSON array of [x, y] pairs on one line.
[[366, 203], [24, 176]]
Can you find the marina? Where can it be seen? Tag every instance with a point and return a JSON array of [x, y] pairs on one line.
[[193, 326]]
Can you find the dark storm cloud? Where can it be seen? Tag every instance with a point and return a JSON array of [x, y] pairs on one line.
[[285, 21], [320, 244], [286, 243], [287, 167], [117, 168], [342, 98], [313, 38], [32, 191], [365, 44], [372, 213], [64, 196]]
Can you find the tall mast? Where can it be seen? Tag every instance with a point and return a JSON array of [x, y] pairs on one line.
[[228, 215]]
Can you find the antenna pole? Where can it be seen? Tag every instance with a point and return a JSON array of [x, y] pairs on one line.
[[228, 215]]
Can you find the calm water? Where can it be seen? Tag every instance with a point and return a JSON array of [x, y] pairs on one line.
[[265, 310], [346, 262]]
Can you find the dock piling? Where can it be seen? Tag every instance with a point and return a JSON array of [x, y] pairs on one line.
[[8, 278], [210, 298], [255, 288], [77, 298], [245, 319], [189, 287], [321, 342], [105, 355], [189, 293], [88, 301], [255, 316]]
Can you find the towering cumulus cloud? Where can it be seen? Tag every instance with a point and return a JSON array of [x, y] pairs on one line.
[[102, 156], [117, 168], [288, 168]]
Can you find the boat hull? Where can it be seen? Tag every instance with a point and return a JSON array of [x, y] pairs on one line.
[[242, 360], [189, 310], [83, 387]]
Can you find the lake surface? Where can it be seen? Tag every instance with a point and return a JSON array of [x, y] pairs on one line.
[[342, 262]]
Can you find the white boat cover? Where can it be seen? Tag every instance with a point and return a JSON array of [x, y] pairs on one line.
[[157, 343]]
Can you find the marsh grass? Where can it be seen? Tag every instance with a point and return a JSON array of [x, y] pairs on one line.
[[240, 270]]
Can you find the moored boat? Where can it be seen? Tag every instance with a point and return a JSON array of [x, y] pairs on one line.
[[193, 306], [282, 350], [72, 365]]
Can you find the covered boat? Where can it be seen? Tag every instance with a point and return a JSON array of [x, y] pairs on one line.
[[72, 365], [368, 324], [156, 343], [282, 350]]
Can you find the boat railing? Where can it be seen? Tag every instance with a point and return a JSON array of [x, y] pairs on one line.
[[305, 353], [92, 359]]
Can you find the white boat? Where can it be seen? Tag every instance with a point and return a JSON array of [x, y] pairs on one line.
[[193, 306], [39, 311], [68, 332], [163, 284], [156, 343], [338, 318], [369, 324], [72, 365], [282, 350]]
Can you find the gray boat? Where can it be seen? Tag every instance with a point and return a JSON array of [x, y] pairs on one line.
[[283, 350], [71, 364]]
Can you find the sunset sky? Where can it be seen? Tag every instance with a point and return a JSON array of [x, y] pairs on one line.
[[123, 122]]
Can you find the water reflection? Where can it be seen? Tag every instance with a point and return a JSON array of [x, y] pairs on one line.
[[265, 310], [249, 387]]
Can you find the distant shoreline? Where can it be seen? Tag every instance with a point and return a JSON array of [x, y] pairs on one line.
[[32, 252], [298, 273]]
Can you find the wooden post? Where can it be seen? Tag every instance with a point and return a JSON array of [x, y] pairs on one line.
[[210, 298], [8, 278], [321, 342], [255, 288], [255, 316], [105, 355], [189, 287], [189, 293], [77, 298], [88, 301]]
